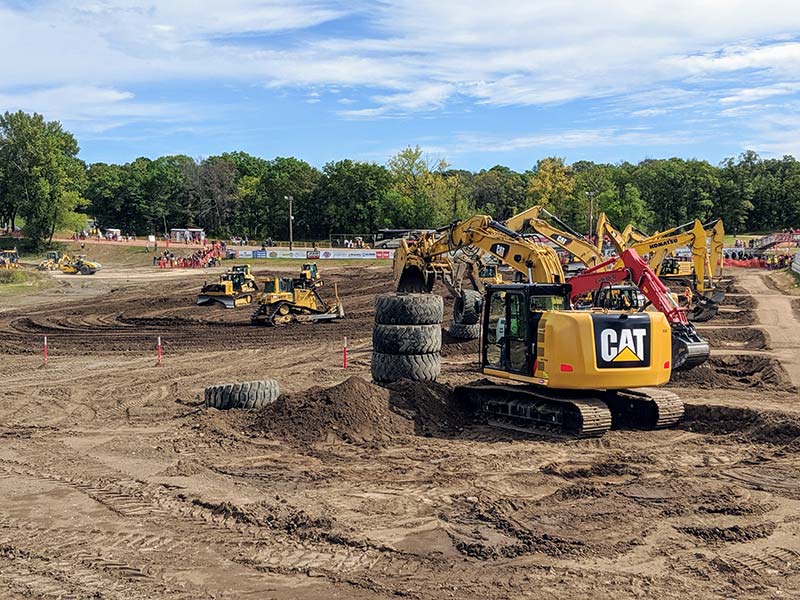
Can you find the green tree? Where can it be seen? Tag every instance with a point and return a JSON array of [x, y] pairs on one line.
[[41, 169], [552, 185], [352, 198], [499, 192]]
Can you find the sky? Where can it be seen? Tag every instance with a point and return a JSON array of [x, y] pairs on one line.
[[476, 83]]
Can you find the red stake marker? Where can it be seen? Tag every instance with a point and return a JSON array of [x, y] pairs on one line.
[[45, 349], [344, 353], [160, 353]]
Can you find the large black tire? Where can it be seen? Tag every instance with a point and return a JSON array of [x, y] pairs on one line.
[[85, 270], [462, 331], [250, 394], [407, 339], [393, 367], [467, 308], [409, 309]]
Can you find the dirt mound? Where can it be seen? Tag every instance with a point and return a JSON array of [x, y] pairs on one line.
[[739, 301], [353, 411], [728, 337], [739, 317], [430, 406], [768, 427], [736, 372]]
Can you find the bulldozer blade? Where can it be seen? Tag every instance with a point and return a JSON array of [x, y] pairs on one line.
[[688, 348], [227, 302]]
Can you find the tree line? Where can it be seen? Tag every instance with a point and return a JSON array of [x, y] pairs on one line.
[[46, 185]]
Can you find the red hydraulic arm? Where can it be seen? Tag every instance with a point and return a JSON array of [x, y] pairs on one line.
[[639, 273]]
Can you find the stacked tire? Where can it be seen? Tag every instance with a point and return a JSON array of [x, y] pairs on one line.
[[248, 395], [407, 337], [466, 316]]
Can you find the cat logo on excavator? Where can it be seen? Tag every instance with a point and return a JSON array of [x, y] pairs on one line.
[[622, 342]]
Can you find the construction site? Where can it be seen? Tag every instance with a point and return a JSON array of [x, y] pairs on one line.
[[377, 429]]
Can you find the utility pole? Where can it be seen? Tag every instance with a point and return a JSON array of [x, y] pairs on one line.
[[291, 218], [591, 214]]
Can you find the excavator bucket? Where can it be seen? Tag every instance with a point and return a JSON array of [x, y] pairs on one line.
[[703, 310], [688, 349]]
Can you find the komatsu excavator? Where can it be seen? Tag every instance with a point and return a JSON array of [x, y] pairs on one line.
[[578, 369]]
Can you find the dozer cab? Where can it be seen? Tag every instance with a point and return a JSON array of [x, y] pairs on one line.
[[309, 276], [284, 300], [9, 259], [80, 265], [236, 287]]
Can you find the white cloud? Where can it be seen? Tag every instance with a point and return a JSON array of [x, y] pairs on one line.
[[92, 108], [570, 138], [760, 93], [644, 59]]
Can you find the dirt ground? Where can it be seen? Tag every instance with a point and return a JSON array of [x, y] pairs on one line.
[[117, 483]]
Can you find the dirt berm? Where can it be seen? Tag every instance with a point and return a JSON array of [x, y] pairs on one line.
[[359, 412], [736, 372]]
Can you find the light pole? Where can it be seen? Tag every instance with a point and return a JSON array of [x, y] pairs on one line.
[[291, 218]]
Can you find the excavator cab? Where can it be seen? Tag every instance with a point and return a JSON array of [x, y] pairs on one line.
[[512, 319]]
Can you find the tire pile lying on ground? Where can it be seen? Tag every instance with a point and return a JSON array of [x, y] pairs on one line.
[[407, 337], [249, 394]]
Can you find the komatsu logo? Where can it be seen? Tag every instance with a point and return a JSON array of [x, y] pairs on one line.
[[624, 346], [621, 340], [666, 242]]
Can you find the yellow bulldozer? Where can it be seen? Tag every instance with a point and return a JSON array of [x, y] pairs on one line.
[[284, 300], [236, 287]]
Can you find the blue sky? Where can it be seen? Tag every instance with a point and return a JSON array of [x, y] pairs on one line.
[[476, 83]]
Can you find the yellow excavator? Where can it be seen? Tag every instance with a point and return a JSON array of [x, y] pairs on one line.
[[578, 370], [659, 248], [285, 300], [236, 287]]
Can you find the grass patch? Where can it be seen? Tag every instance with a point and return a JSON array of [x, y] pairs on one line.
[[20, 281]]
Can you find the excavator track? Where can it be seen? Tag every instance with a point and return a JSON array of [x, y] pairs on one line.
[[538, 410], [645, 408]]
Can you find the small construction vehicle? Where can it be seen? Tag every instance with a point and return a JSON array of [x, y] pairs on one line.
[[309, 276], [236, 287], [282, 301], [9, 259], [52, 261], [80, 265]]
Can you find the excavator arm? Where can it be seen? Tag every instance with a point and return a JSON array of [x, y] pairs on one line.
[[417, 263], [688, 349], [604, 228], [565, 238]]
